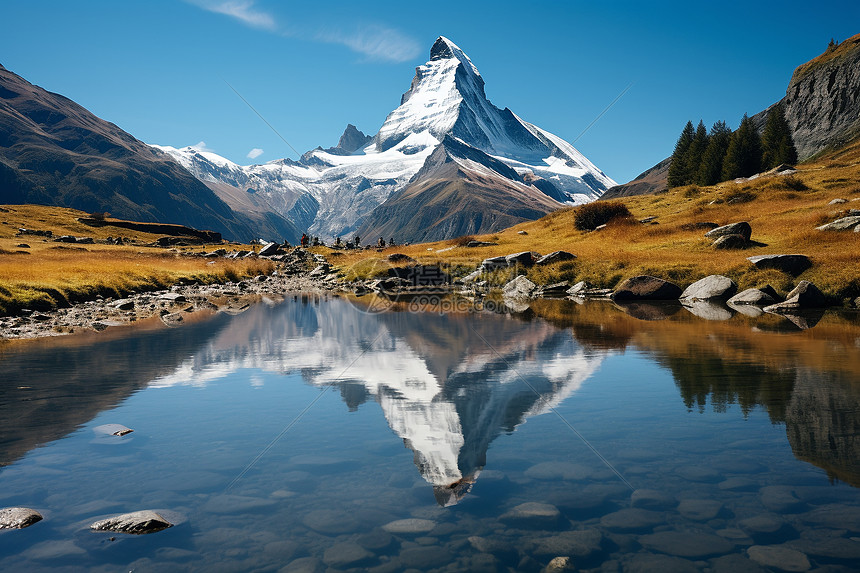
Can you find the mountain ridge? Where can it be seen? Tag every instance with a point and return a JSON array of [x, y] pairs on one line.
[[54, 151]]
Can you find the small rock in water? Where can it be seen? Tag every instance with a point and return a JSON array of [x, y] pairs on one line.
[[112, 430], [330, 522], [780, 499], [411, 525], [700, 509], [632, 519], [686, 544], [580, 543], [137, 523], [533, 513], [18, 517], [737, 484], [559, 564], [345, 554], [779, 557], [652, 499]]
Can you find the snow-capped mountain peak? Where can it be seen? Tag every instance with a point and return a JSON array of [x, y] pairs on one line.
[[445, 49], [334, 192]]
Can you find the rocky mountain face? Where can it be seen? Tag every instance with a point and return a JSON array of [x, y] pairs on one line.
[[820, 104], [823, 99], [507, 170], [55, 152], [459, 191]]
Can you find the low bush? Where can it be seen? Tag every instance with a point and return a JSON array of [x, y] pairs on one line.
[[464, 240], [591, 215]]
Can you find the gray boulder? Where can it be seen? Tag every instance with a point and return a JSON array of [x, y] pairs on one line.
[[743, 229], [843, 224], [804, 295], [646, 287], [520, 287], [136, 523], [791, 264], [728, 242], [579, 289], [494, 263], [122, 304], [270, 249], [555, 257], [525, 258], [553, 290], [713, 287], [760, 296], [18, 517]]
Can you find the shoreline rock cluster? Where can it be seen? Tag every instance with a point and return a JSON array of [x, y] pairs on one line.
[[298, 270], [174, 304]]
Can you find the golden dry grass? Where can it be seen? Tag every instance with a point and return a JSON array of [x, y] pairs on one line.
[[49, 274], [783, 212]]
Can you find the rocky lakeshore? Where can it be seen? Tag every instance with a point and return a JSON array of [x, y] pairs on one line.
[[295, 271]]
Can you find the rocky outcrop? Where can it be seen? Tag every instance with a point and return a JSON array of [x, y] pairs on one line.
[[645, 287], [555, 257], [791, 264], [842, 224], [822, 100], [820, 105]]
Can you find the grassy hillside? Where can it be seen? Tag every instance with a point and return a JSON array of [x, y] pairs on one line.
[[48, 274], [782, 210]]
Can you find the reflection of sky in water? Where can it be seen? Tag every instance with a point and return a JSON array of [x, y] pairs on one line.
[[214, 440]]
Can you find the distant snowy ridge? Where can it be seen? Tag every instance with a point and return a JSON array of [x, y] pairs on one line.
[[331, 192]]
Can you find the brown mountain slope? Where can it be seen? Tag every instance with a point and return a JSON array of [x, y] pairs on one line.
[[459, 191], [55, 152]]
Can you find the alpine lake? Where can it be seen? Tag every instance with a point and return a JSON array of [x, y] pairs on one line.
[[339, 433]]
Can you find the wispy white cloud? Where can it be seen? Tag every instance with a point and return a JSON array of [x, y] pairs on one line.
[[374, 41], [255, 153], [242, 10], [200, 146]]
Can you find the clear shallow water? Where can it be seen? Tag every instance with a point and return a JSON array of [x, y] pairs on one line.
[[297, 436]]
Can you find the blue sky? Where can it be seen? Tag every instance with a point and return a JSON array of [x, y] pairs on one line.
[[159, 68]]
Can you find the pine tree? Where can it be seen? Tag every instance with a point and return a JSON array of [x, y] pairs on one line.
[[679, 172], [696, 152], [711, 169], [743, 156], [776, 141]]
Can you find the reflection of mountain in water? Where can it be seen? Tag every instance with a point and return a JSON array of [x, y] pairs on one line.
[[50, 388], [448, 384]]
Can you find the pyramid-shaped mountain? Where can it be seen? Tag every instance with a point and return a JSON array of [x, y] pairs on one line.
[[446, 162]]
